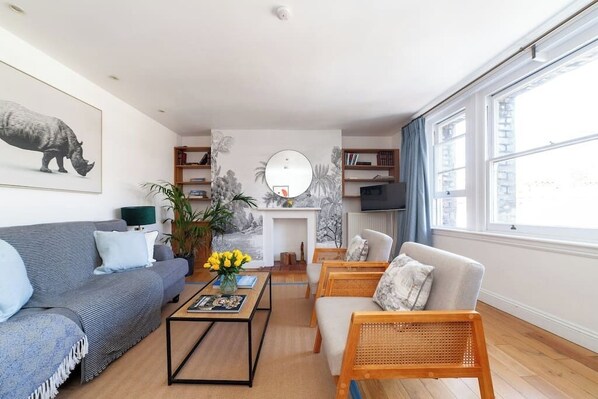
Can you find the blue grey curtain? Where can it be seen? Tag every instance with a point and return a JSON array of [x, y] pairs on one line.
[[414, 222]]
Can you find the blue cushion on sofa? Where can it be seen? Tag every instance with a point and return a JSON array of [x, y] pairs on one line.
[[15, 288], [121, 251]]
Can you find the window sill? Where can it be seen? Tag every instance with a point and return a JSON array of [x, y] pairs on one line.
[[587, 250]]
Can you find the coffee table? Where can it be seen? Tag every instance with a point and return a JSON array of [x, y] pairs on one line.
[[246, 315]]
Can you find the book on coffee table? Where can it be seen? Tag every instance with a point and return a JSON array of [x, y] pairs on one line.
[[220, 303], [242, 281]]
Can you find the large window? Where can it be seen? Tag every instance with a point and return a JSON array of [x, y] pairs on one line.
[[450, 202], [543, 151]]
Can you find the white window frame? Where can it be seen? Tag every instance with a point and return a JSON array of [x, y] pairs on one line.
[[475, 99], [467, 107], [569, 233]]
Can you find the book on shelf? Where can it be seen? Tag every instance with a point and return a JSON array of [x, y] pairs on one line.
[[198, 193], [363, 163], [351, 159], [219, 303], [385, 158], [242, 281]]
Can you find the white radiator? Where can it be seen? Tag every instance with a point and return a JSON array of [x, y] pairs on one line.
[[383, 222]]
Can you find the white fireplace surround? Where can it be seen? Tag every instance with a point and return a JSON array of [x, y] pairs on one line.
[[269, 214]]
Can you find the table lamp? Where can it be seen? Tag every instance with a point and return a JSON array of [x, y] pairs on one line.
[[138, 215]]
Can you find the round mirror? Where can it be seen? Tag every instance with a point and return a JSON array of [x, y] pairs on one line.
[[288, 173]]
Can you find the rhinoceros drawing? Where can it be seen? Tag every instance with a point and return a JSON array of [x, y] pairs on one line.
[[29, 130]]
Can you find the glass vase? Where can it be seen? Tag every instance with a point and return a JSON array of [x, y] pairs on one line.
[[228, 283]]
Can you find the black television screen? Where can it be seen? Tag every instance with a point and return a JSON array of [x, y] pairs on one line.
[[383, 197]]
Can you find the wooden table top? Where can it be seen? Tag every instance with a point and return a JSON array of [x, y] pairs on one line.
[[251, 301]]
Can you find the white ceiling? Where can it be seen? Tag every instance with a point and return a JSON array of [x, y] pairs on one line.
[[364, 66]]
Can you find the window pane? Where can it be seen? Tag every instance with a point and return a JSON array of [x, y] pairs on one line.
[[451, 128], [451, 212], [553, 188], [450, 155], [449, 181], [556, 107]]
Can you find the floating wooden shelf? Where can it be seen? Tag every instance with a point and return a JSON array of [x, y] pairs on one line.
[[367, 173], [370, 180], [198, 199], [193, 149], [369, 167], [193, 166], [182, 183]]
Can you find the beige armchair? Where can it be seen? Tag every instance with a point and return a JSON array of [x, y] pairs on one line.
[[446, 340], [327, 260]]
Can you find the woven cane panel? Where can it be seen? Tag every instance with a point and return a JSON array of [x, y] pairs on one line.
[[416, 343], [353, 287], [322, 256]]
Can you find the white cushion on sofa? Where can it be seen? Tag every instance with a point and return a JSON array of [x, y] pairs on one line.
[[357, 251], [15, 287], [121, 251], [150, 240], [405, 285]]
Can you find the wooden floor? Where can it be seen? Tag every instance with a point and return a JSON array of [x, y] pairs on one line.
[[526, 362]]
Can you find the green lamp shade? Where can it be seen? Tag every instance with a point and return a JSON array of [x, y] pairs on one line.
[[138, 215]]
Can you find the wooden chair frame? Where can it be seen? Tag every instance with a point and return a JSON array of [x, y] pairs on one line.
[[322, 254], [438, 344], [335, 266]]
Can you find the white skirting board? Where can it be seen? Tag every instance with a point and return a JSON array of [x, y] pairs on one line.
[[570, 331]]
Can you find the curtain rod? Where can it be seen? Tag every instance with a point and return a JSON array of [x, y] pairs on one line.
[[510, 58]]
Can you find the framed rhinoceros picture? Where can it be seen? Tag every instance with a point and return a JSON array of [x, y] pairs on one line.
[[48, 138]]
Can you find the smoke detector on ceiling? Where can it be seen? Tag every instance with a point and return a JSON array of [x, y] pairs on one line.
[[284, 13]]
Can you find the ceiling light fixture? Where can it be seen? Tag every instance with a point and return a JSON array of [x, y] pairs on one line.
[[113, 77], [284, 13], [16, 9]]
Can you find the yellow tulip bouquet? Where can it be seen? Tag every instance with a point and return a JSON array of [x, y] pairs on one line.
[[227, 264]]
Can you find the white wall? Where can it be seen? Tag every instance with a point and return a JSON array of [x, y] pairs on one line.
[[135, 149], [550, 285], [196, 141]]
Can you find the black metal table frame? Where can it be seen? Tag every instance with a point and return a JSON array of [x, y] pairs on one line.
[[252, 364]]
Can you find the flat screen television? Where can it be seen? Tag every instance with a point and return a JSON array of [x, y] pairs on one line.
[[384, 197]]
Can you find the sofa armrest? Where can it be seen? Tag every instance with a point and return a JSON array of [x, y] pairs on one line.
[[163, 252]]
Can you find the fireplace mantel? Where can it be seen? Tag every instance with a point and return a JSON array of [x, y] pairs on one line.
[[269, 214]]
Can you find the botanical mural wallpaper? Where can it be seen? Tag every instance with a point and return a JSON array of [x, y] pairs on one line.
[[238, 165]]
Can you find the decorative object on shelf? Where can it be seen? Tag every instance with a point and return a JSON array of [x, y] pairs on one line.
[[198, 193], [288, 258], [138, 215], [205, 160], [227, 264], [188, 233], [197, 179], [288, 203], [282, 191], [302, 252]]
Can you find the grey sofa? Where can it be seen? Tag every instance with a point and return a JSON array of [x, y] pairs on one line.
[[108, 313]]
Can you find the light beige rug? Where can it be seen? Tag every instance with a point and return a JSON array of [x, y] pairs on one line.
[[287, 367]]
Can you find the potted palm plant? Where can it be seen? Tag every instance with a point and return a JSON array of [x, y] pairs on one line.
[[192, 228]]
